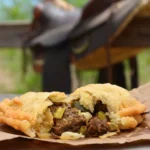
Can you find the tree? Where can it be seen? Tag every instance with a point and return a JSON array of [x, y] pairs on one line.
[[16, 9], [22, 9], [78, 3]]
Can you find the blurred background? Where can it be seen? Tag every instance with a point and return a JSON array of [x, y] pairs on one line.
[[11, 78]]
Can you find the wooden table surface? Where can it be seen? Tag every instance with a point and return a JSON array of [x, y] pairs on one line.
[[24, 144]]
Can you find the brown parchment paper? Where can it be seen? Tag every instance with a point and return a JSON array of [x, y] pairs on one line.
[[141, 133]]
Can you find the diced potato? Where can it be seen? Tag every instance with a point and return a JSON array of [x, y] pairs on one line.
[[59, 113], [83, 130], [101, 115]]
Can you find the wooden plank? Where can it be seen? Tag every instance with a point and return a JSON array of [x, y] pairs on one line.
[[136, 34], [12, 33], [97, 59]]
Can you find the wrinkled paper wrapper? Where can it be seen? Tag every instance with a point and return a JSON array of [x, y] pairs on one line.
[[139, 134]]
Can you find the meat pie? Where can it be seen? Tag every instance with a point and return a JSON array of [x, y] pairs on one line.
[[90, 111]]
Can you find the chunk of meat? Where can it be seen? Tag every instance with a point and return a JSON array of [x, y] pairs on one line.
[[96, 127], [71, 121]]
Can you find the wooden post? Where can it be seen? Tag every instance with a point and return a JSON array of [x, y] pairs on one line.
[[134, 76], [109, 63], [24, 61]]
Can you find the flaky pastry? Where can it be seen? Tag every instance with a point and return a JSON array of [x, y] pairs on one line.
[[29, 113], [123, 108]]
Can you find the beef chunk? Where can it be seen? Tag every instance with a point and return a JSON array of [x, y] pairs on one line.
[[96, 127], [71, 121]]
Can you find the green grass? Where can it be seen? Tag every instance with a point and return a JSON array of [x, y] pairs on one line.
[[11, 72], [11, 63], [144, 66]]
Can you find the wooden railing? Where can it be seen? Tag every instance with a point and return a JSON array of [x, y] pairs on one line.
[[12, 33]]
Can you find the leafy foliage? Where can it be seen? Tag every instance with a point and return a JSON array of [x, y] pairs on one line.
[[22, 10], [78, 3], [16, 9]]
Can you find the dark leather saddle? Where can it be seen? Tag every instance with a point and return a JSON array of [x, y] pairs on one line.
[[91, 26]]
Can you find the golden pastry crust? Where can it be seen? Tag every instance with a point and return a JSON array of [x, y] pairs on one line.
[[57, 97], [120, 104], [133, 110], [27, 113]]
